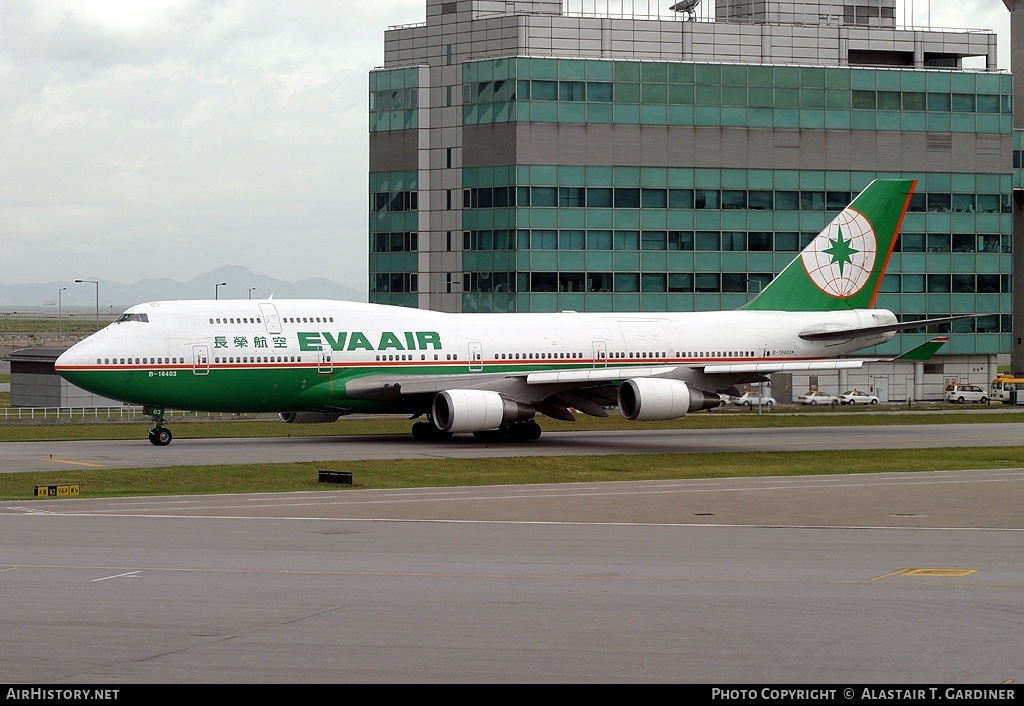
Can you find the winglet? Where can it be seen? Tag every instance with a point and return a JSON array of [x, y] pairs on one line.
[[924, 351]]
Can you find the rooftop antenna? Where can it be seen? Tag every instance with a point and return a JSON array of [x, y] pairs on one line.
[[687, 6]]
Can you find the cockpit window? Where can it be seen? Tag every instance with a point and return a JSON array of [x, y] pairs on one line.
[[144, 318]]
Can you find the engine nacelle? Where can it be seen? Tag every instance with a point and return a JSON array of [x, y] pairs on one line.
[[657, 399], [308, 417], [460, 411]]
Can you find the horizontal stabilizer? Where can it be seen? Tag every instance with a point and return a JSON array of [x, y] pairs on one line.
[[924, 351], [843, 334]]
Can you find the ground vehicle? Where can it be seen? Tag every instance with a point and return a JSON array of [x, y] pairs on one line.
[[751, 398], [817, 397], [1004, 385], [857, 397], [965, 393]]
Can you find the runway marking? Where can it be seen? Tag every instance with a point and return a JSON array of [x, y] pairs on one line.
[[133, 573], [567, 523], [908, 571], [130, 574], [9, 568], [73, 463], [941, 572]]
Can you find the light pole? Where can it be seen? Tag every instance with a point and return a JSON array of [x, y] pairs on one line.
[[92, 281], [216, 289], [60, 319], [251, 289]]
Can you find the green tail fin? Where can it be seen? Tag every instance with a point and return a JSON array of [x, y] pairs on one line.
[[842, 267]]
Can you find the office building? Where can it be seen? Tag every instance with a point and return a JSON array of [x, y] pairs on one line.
[[535, 155]]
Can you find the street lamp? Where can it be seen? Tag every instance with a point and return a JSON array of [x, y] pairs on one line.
[[251, 289], [60, 319], [216, 289], [92, 281]]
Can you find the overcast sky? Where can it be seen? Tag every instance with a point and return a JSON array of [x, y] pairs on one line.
[[165, 138]]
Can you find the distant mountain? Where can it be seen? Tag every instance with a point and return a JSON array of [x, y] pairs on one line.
[[115, 297]]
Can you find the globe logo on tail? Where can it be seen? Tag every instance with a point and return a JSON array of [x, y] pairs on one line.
[[840, 258]]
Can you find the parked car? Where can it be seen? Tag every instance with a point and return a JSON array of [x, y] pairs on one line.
[[857, 397], [753, 399], [965, 393], [817, 397]]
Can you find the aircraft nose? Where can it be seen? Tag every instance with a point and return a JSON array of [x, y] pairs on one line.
[[64, 360], [69, 359]]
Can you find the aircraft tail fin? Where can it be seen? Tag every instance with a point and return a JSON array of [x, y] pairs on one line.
[[842, 268]]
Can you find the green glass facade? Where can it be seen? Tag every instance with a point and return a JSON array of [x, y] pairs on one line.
[[655, 93]]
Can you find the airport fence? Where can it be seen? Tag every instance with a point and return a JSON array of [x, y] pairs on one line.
[[112, 412]]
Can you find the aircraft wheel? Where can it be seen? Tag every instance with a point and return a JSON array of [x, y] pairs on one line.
[[493, 435], [425, 431], [160, 437], [533, 431]]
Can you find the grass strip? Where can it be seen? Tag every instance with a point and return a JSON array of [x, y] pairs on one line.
[[424, 473]]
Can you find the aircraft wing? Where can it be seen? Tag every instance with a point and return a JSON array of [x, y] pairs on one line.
[[781, 366], [374, 386], [590, 390]]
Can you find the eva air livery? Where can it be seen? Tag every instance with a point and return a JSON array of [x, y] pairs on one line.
[[491, 374]]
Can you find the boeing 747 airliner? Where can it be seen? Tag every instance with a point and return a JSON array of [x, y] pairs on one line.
[[491, 374]]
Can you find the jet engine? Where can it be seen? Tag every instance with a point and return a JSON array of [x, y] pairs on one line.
[[308, 417], [657, 399], [459, 411]]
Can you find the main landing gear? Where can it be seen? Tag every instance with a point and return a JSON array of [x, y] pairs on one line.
[[527, 430], [158, 435], [426, 431]]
